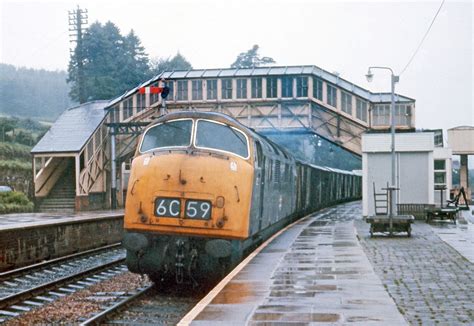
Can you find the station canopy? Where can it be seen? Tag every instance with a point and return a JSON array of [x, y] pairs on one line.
[[72, 129]]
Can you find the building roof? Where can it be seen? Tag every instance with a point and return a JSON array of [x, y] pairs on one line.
[[271, 71], [72, 129], [462, 128]]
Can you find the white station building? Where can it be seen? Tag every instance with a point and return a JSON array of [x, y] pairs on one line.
[[422, 165]]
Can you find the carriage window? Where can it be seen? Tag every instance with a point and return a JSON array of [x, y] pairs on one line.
[[221, 137], [168, 134]]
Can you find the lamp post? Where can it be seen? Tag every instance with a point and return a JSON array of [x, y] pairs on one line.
[[394, 79]]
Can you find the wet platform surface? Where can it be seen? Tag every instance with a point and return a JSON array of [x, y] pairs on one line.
[[460, 236], [22, 220], [430, 276], [314, 273]]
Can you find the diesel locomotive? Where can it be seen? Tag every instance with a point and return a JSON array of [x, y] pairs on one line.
[[205, 190]]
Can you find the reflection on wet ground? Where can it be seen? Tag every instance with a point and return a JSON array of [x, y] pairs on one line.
[[460, 236], [316, 272]]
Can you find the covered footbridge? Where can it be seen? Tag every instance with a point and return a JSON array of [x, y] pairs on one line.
[[282, 99]]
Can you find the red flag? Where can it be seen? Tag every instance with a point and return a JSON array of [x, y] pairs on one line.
[[150, 90]]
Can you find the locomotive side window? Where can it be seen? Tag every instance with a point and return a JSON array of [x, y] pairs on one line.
[[175, 133], [221, 137]]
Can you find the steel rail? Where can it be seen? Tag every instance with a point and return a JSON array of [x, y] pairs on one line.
[[27, 294], [29, 268], [105, 314]]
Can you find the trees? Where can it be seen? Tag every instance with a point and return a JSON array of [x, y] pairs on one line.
[[251, 59], [178, 62], [34, 93], [111, 63]]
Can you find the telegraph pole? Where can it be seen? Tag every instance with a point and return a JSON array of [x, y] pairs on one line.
[[77, 23]]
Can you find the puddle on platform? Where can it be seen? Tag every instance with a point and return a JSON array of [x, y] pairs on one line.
[[300, 317], [358, 319], [236, 293], [305, 287], [344, 244], [319, 223]]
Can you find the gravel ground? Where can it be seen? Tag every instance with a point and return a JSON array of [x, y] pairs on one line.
[[158, 308], [68, 310]]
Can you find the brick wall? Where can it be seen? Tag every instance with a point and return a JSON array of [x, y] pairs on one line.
[[28, 245]]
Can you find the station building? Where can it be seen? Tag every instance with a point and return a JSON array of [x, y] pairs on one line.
[[423, 170], [286, 99]]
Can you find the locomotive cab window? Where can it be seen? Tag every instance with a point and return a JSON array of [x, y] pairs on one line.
[[175, 133], [221, 137]]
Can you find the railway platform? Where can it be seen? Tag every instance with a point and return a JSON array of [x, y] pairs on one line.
[[314, 272], [326, 270], [22, 220], [29, 238]]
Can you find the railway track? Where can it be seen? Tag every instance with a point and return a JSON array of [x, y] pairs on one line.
[[27, 288], [145, 306], [14, 273], [115, 305]]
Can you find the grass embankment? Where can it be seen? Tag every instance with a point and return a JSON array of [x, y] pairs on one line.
[[15, 171], [14, 202]]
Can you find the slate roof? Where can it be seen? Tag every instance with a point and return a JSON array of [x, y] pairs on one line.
[[72, 129]]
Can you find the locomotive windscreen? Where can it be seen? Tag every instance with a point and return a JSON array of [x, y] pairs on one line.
[[175, 133], [221, 137]]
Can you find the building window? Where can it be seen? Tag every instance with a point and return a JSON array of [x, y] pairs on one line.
[[438, 138], [440, 178], [302, 87], [197, 90], [440, 165], [226, 88], [332, 95], [317, 88], [170, 85], [241, 88], [127, 108], [361, 110], [114, 114], [182, 90], [256, 87], [402, 114], [287, 87], [211, 89], [272, 87], [381, 115], [141, 98], [346, 102], [154, 97]]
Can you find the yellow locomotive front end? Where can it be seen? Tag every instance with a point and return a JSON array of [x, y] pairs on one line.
[[189, 196]]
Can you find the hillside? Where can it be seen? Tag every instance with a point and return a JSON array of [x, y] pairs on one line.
[[32, 93]]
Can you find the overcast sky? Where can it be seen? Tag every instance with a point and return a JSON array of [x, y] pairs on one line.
[[344, 37]]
